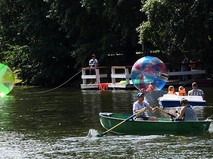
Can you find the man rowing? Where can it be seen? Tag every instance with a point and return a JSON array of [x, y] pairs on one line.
[[139, 105], [187, 113]]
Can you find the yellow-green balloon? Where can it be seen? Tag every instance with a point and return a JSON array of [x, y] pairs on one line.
[[7, 80]]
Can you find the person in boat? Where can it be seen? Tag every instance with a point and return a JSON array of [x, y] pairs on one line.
[[195, 91], [139, 105], [182, 91], [150, 87], [171, 90], [187, 113]]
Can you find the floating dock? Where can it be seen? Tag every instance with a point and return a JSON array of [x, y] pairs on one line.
[[99, 79], [120, 78]]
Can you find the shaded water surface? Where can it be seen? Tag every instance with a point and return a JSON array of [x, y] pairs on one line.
[[55, 124]]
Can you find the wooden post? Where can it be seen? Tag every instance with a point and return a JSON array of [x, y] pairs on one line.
[[113, 72], [83, 74], [127, 75], [97, 75]]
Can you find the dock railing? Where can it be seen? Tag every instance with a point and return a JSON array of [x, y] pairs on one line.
[[92, 78], [97, 76], [123, 74], [191, 72]]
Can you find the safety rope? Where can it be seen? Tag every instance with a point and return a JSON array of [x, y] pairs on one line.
[[60, 85]]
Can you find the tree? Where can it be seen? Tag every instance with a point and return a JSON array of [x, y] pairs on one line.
[[34, 25], [105, 27], [178, 26]]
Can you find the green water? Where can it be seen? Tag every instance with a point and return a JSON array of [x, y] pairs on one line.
[[37, 123]]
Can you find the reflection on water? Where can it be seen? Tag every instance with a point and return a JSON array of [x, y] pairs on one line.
[[56, 124]]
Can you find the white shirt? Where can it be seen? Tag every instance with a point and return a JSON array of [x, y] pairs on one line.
[[137, 106], [93, 63], [195, 92]]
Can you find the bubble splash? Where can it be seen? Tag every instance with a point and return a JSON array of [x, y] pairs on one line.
[[149, 74], [92, 133]]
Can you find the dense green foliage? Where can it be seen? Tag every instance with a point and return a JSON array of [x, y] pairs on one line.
[[179, 26], [50, 40]]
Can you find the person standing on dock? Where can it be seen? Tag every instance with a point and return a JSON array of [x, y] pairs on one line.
[[185, 67], [93, 63], [195, 91]]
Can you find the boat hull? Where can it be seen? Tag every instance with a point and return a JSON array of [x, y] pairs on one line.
[[166, 103], [162, 126], [168, 100]]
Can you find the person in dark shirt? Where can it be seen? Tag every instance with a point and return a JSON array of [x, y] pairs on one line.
[[187, 113]]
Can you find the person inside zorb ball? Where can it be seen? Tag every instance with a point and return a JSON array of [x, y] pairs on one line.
[[7, 80], [149, 74]]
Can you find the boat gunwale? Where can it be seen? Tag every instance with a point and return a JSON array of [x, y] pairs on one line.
[[101, 114]]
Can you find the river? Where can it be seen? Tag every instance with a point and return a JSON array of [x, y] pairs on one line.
[[41, 123]]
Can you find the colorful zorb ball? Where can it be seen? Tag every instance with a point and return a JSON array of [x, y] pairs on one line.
[[7, 80], [149, 73]]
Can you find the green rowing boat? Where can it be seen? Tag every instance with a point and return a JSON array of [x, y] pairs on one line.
[[161, 126]]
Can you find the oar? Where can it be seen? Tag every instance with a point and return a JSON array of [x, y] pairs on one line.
[[132, 116], [172, 116]]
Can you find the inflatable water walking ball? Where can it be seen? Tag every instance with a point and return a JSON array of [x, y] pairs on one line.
[[149, 73], [7, 80]]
